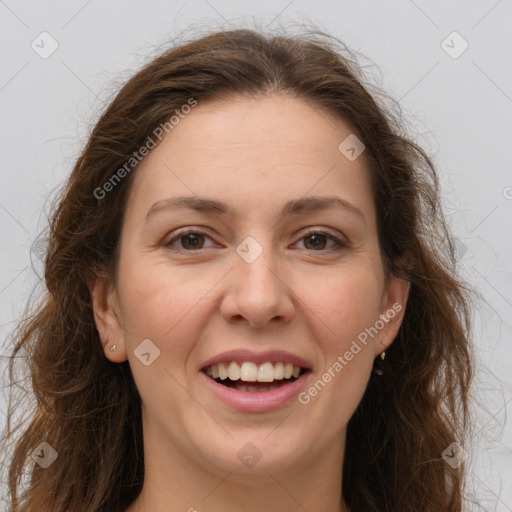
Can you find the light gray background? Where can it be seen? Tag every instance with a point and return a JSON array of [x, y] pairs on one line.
[[459, 109]]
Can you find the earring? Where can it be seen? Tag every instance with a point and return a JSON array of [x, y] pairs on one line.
[[112, 348], [377, 367]]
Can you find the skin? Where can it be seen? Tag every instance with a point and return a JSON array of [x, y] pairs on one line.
[[194, 303]]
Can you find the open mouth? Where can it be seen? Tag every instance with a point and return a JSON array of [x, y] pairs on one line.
[[249, 377]]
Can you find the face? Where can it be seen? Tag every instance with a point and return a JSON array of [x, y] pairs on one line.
[[267, 279]]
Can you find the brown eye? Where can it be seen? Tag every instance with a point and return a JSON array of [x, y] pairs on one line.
[[317, 240], [188, 241], [192, 241]]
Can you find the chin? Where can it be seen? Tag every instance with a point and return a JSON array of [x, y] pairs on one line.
[[257, 454]]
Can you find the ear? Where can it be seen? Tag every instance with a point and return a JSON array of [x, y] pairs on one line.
[[108, 318], [393, 305]]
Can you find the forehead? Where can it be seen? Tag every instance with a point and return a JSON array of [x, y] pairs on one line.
[[245, 124], [253, 151]]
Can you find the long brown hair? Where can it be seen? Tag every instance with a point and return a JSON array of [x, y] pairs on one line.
[[88, 409]]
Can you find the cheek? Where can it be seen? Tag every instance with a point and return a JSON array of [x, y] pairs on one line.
[[165, 304], [153, 294], [346, 302], [342, 309]]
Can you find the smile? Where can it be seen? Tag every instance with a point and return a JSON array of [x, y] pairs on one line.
[[250, 377], [250, 381], [258, 384]]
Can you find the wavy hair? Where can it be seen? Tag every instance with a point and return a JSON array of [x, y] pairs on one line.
[[89, 409]]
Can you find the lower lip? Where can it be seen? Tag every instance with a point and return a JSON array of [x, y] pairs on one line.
[[256, 402]]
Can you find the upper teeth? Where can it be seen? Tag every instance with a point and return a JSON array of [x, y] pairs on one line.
[[251, 372]]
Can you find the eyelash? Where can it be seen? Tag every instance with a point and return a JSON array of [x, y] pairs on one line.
[[341, 245]]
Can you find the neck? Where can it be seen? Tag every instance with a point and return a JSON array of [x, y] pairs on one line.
[[174, 482]]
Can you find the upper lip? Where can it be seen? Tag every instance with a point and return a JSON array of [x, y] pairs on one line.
[[272, 356]]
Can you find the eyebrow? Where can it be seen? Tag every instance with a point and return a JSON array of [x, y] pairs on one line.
[[292, 207]]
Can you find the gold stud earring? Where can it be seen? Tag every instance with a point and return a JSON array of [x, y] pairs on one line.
[[383, 355]]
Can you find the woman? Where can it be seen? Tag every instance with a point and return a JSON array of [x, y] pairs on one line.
[[248, 306]]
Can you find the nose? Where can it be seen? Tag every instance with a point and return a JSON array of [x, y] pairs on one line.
[[258, 292]]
